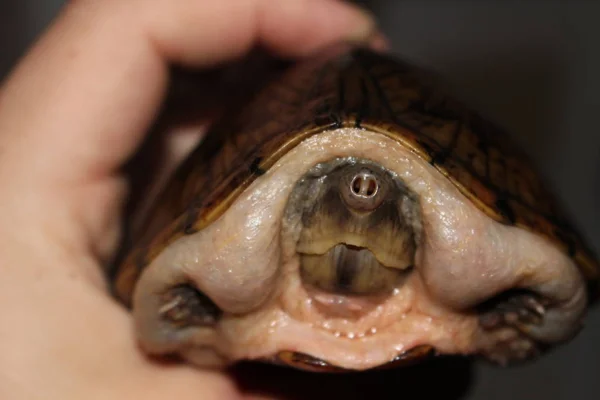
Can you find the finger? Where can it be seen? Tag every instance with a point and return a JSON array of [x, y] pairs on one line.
[[95, 81], [79, 103]]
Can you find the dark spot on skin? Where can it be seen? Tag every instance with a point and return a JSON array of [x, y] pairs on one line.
[[255, 167]]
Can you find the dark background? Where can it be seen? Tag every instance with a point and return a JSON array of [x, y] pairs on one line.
[[533, 66]]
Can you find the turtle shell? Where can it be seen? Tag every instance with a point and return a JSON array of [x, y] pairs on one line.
[[354, 87]]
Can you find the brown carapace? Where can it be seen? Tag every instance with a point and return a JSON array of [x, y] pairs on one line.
[[357, 225]]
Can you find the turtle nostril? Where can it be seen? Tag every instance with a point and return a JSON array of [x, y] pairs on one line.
[[364, 185], [363, 191]]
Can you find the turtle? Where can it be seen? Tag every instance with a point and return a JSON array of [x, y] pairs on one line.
[[352, 215]]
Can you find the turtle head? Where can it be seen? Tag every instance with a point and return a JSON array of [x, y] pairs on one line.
[[359, 227]]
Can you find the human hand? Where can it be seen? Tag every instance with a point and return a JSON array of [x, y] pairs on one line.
[[73, 111]]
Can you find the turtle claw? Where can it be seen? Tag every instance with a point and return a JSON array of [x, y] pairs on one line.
[[516, 310], [508, 321], [186, 306]]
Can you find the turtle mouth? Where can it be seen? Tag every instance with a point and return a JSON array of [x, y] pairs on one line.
[[359, 226], [351, 270]]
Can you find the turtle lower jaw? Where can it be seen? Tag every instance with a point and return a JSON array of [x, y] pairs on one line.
[[282, 339], [297, 331]]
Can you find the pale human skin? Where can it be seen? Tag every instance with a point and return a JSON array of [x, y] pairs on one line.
[[74, 109]]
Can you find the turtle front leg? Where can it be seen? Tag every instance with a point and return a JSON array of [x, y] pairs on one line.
[[520, 324], [507, 319], [524, 293], [517, 310]]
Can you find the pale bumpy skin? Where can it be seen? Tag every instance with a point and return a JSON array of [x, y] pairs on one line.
[[250, 269]]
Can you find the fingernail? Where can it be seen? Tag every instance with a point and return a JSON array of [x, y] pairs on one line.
[[365, 27], [366, 31]]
